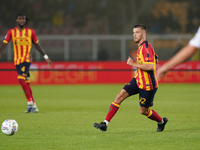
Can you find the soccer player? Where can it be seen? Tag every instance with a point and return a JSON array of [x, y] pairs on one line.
[[185, 53], [22, 39], [144, 83]]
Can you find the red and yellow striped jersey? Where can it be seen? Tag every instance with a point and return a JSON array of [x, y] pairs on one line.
[[22, 43], [146, 80]]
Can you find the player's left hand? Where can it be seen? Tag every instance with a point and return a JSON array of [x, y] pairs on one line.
[[130, 61]]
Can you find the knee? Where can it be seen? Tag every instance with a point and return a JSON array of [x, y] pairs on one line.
[[121, 96], [118, 99]]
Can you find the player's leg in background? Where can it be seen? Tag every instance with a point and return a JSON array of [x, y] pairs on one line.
[[22, 74], [30, 90], [29, 86], [22, 82], [23, 70]]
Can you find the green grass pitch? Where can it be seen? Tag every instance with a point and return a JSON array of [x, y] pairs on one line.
[[68, 112]]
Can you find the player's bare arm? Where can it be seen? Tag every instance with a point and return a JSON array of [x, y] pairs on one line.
[[3, 46], [185, 53], [146, 67], [39, 48]]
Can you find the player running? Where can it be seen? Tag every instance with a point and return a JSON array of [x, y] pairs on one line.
[[22, 39], [144, 83]]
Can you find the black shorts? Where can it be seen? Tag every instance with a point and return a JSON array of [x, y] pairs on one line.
[[145, 97], [23, 69]]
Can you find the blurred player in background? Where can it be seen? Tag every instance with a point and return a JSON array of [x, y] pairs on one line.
[[22, 39], [185, 53], [144, 83]]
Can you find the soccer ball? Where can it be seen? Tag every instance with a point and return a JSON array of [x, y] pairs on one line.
[[9, 127]]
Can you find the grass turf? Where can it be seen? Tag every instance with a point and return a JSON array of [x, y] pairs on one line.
[[68, 112]]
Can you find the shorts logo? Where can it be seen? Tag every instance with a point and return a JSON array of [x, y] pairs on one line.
[[147, 84], [128, 83]]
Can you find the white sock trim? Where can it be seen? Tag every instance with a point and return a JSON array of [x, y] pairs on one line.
[[161, 122], [30, 103], [106, 122]]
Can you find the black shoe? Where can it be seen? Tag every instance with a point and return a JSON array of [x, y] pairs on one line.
[[102, 126], [162, 126]]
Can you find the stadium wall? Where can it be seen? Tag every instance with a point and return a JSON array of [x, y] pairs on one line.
[[94, 72]]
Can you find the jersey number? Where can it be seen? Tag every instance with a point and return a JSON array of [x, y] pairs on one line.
[[142, 100], [23, 69]]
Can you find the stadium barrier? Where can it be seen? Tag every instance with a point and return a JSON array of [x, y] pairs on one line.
[[94, 72]]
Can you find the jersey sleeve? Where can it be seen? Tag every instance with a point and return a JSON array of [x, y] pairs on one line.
[[148, 55], [7, 37], [195, 41], [34, 37]]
